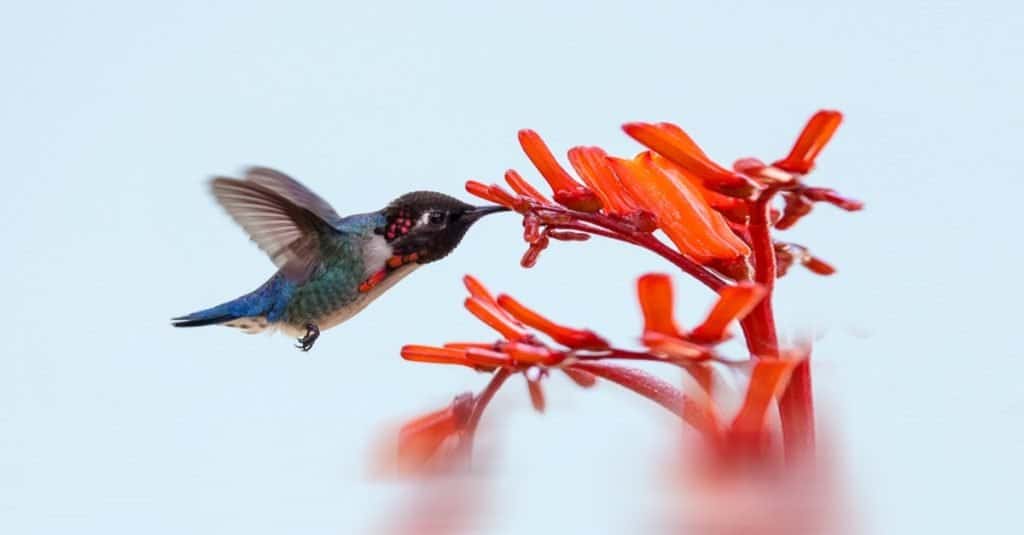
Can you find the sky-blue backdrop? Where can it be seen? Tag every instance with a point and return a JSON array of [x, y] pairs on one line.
[[114, 114]]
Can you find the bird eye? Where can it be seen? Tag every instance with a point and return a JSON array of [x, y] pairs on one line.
[[436, 218]]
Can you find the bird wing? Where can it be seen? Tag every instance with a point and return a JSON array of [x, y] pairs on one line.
[[293, 190], [283, 220]]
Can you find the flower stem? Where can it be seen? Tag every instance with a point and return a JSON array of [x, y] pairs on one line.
[[485, 397], [608, 227], [656, 390], [759, 325], [796, 408]]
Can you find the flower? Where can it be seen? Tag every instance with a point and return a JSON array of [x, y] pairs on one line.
[[681, 210], [676, 145], [663, 335], [421, 439], [568, 192]]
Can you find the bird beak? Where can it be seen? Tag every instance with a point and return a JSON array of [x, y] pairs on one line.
[[480, 211]]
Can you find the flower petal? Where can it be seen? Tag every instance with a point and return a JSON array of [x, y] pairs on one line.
[[493, 193], [654, 291], [496, 318], [734, 303], [532, 354], [815, 135], [675, 348], [536, 395], [580, 377], [435, 355], [591, 164], [567, 336], [568, 192], [830, 196], [524, 188], [675, 144], [768, 381], [419, 439], [697, 230]]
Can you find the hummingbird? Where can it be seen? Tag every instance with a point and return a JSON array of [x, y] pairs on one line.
[[329, 267]]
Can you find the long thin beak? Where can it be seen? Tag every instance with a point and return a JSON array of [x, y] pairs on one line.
[[480, 211]]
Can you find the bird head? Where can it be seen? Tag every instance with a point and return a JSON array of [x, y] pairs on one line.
[[430, 224]]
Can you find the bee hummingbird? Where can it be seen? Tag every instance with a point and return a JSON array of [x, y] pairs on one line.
[[329, 267]]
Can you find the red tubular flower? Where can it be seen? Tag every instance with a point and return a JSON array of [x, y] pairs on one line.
[[675, 348], [767, 382], [654, 291], [532, 354], [488, 358], [495, 318], [673, 143], [493, 193], [568, 192], [682, 213], [477, 289], [591, 164], [567, 336], [535, 389], [833, 198], [524, 188], [483, 305], [581, 378], [732, 208], [813, 138], [435, 355], [797, 206], [420, 439], [817, 265], [734, 303]]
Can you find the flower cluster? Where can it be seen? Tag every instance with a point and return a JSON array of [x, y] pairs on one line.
[[534, 346], [703, 208], [718, 223]]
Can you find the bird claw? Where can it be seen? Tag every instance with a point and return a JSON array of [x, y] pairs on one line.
[[306, 342]]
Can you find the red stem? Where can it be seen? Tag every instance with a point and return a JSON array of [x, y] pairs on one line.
[[618, 230], [759, 325], [656, 390], [796, 408], [485, 397], [482, 401]]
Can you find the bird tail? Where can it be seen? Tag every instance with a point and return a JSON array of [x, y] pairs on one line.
[[249, 312]]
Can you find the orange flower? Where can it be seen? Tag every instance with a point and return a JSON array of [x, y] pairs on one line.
[[567, 336], [420, 440], [568, 192], [734, 303], [682, 213], [674, 144], [767, 382], [663, 336], [524, 188], [654, 292], [591, 163], [813, 138]]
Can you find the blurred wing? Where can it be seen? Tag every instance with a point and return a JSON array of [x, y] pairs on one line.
[[292, 190], [282, 228]]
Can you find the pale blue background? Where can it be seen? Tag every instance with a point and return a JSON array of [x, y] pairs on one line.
[[113, 115]]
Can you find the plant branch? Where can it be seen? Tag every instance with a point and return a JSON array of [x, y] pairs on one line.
[[656, 390], [620, 230]]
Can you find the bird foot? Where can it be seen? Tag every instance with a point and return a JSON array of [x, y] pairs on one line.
[[306, 342]]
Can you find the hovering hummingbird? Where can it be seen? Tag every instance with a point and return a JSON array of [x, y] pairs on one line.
[[330, 267]]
